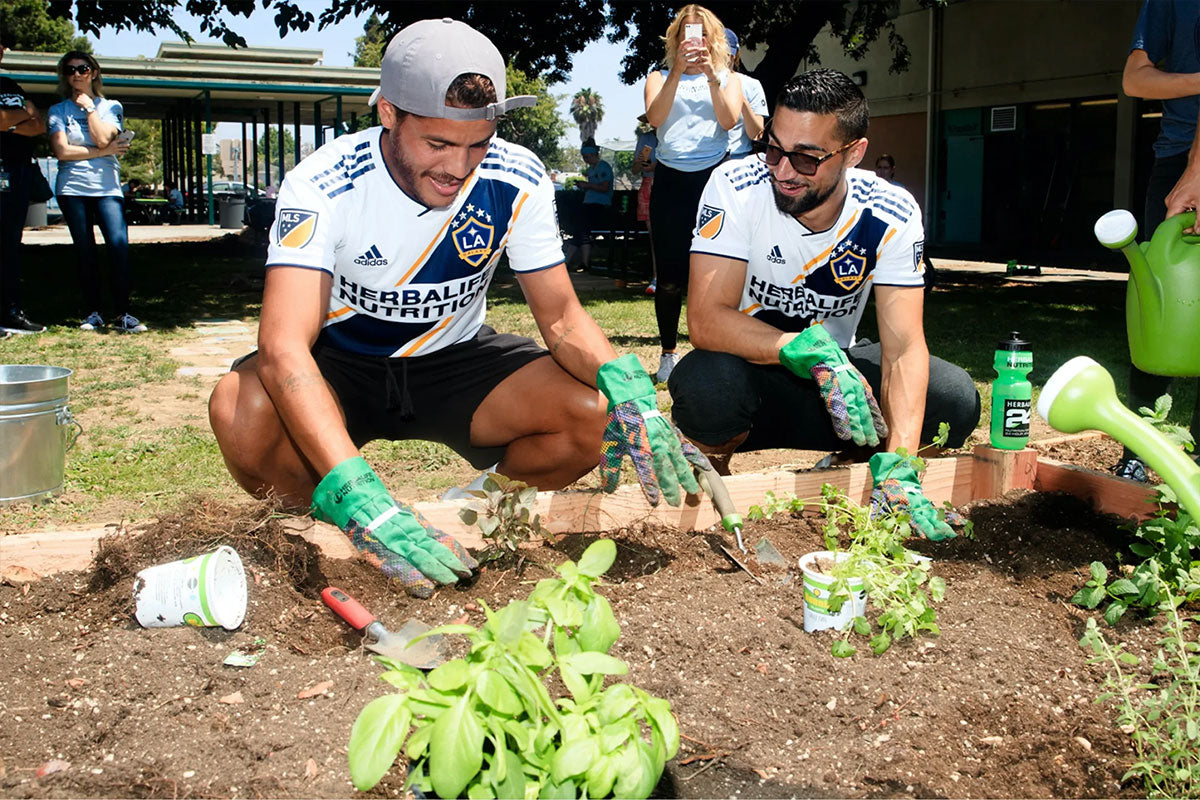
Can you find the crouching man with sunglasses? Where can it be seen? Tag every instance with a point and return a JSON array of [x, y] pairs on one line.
[[786, 250]]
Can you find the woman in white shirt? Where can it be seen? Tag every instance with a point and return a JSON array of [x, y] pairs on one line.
[[693, 102], [84, 136]]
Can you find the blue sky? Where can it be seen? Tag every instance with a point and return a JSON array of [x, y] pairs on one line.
[[596, 67]]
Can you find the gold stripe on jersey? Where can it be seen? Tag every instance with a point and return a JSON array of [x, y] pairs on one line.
[[824, 254], [338, 313], [437, 237], [412, 348], [750, 309], [891, 232]]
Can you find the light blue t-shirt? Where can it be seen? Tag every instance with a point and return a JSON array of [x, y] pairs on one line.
[[691, 139], [600, 172], [1169, 32], [756, 98], [91, 177]]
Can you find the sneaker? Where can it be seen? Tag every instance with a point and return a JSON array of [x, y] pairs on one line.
[[1132, 469], [94, 322], [128, 323], [653, 287], [666, 365], [16, 322]]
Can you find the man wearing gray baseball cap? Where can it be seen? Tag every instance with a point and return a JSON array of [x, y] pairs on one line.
[[372, 327]]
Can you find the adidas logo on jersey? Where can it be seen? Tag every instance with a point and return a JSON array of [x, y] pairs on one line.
[[372, 258], [776, 256]]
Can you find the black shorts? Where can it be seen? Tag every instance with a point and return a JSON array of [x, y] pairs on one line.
[[592, 217], [431, 397]]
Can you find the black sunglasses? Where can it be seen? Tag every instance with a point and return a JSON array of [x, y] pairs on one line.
[[77, 69], [803, 163]]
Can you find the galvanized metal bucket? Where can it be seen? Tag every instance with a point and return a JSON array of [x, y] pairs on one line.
[[35, 431]]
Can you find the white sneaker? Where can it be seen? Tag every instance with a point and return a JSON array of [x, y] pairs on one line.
[[666, 365], [94, 322], [128, 323]]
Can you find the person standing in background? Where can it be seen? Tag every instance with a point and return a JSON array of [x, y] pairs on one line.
[[754, 105], [597, 202], [693, 102], [1164, 64], [19, 123], [84, 137], [643, 166]]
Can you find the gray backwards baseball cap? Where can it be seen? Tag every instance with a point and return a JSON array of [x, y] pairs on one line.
[[423, 59]]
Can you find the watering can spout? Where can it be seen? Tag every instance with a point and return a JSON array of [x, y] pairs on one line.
[[1117, 230], [1080, 396]]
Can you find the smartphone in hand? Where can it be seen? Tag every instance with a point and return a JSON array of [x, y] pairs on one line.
[[693, 30], [126, 135]]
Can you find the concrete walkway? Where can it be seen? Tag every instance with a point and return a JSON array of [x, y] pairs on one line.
[[138, 234]]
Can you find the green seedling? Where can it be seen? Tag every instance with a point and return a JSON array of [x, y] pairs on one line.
[[486, 725], [1161, 716], [773, 505], [503, 509]]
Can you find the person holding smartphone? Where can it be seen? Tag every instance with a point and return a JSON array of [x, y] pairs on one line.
[[85, 137], [693, 101]]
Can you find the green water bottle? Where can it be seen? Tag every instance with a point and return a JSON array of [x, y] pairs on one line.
[[1012, 393]]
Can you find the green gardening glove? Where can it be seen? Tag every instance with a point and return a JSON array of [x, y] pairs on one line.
[[848, 397], [636, 428], [391, 535], [898, 489]]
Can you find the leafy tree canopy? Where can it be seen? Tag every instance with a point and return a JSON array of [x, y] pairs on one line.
[[539, 127], [540, 38], [368, 48], [36, 31]]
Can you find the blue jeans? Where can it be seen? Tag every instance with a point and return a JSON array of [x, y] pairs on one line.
[[81, 213]]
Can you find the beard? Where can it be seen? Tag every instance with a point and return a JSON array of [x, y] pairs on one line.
[[409, 177], [803, 203]]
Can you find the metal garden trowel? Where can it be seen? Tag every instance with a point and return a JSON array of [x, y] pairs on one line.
[[396, 645]]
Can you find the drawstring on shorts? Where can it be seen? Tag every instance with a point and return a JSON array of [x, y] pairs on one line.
[[397, 397]]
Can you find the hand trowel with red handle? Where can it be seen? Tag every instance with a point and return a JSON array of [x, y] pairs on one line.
[[397, 645]]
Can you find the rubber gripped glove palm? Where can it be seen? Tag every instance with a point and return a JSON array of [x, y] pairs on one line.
[[392, 536], [847, 394], [636, 428], [898, 489]]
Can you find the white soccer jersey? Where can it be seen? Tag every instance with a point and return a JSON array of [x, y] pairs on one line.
[[407, 279], [795, 276]]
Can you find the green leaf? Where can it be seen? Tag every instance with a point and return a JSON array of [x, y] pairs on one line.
[[599, 629], [1099, 572], [574, 758], [418, 743], [450, 676], [1123, 586], [1142, 549], [556, 790], [1089, 596], [497, 692], [599, 556], [512, 787], [375, 739], [455, 749], [862, 627], [659, 711], [1128, 658], [589, 663], [601, 775], [481, 790], [937, 589], [576, 684], [1116, 609], [468, 515], [614, 735], [532, 652], [402, 679], [616, 701], [566, 613], [510, 622], [842, 649], [880, 642]]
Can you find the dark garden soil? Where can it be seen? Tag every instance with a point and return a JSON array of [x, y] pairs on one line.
[[1001, 704]]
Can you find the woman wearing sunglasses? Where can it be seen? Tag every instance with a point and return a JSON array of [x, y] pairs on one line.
[[83, 136], [693, 102]]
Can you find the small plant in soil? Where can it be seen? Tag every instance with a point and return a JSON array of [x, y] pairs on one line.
[[1161, 715], [773, 505], [487, 725], [504, 512]]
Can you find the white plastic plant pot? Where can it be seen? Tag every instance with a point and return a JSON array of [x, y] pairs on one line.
[[204, 591], [818, 615]]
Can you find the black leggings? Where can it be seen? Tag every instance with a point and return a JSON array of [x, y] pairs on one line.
[[674, 198]]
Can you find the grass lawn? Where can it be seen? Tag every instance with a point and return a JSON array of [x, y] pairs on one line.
[[131, 464]]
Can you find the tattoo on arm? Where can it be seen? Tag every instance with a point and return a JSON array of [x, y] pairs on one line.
[[554, 348], [297, 383]]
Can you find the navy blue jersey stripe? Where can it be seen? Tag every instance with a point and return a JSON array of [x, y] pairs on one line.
[[488, 168], [505, 160], [297, 266], [721, 255]]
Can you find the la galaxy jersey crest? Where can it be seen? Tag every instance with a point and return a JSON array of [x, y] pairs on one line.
[[409, 279], [794, 276]]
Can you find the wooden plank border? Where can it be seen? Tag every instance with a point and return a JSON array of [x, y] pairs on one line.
[[986, 473]]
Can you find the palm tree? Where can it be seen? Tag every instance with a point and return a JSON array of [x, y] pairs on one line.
[[587, 109]]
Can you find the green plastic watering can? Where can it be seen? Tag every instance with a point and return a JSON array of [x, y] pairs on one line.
[[1080, 396], [1162, 304]]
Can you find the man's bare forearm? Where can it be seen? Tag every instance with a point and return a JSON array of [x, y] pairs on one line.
[[308, 409], [904, 386]]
